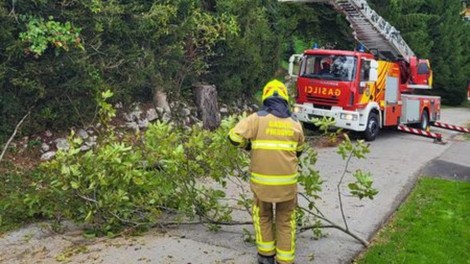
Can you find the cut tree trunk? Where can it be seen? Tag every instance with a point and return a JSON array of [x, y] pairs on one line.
[[205, 97], [160, 99]]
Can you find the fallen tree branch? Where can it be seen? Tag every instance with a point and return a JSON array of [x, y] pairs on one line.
[[346, 231], [234, 223], [14, 134], [338, 189], [332, 225]]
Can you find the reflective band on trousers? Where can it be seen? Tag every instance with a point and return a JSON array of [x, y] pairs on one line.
[[267, 247], [287, 256], [274, 145], [274, 179]]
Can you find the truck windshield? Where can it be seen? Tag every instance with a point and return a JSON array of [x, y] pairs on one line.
[[330, 67]]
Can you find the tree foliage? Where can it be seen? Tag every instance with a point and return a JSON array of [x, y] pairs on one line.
[[434, 30], [128, 47]]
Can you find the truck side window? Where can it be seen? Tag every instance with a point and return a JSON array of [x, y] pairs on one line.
[[365, 69], [308, 66], [423, 68]]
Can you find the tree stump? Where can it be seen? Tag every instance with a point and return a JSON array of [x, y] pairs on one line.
[[160, 99], [205, 97]]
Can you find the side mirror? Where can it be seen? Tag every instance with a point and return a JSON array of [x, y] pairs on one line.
[[294, 60]]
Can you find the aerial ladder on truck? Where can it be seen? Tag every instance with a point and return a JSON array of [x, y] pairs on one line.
[[395, 103], [370, 29]]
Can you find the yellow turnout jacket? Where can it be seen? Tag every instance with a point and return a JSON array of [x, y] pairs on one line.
[[275, 143]]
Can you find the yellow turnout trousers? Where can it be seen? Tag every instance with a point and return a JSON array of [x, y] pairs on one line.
[[280, 238]]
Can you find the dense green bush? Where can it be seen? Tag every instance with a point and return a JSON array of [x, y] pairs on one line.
[[58, 56]]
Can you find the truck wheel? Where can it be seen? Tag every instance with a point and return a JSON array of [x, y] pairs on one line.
[[424, 121], [372, 129]]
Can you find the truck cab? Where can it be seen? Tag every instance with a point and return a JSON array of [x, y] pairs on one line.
[[332, 83]]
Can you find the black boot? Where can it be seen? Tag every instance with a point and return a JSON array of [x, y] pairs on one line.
[[265, 259]]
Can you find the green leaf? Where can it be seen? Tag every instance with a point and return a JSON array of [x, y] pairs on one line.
[[138, 181], [107, 94], [75, 185]]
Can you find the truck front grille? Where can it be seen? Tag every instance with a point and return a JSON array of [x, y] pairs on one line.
[[317, 101]]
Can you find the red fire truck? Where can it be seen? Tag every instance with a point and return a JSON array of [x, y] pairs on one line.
[[365, 91]]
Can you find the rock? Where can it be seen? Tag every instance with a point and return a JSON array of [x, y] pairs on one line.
[[151, 114], [185, 112], [133, 116], [195, 119], [62, 144], [166, 117], [48, 155], [223, 110], [160, 110], [90, 143], [128, 117], [45, 147], [85, 147], [48, 133], [133, 125], [92, 140], [118, 105], [143, 123], [82, 133]]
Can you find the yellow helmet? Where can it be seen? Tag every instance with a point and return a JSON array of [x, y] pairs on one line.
[[275, 88]]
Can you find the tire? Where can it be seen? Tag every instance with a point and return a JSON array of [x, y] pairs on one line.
[[424, 123], [373, 127]]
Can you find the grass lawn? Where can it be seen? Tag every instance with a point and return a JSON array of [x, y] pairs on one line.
[[432, 226]]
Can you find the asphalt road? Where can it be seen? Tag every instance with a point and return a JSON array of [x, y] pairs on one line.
[[396, 161]]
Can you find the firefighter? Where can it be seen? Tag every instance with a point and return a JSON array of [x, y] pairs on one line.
[[275, 140]]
